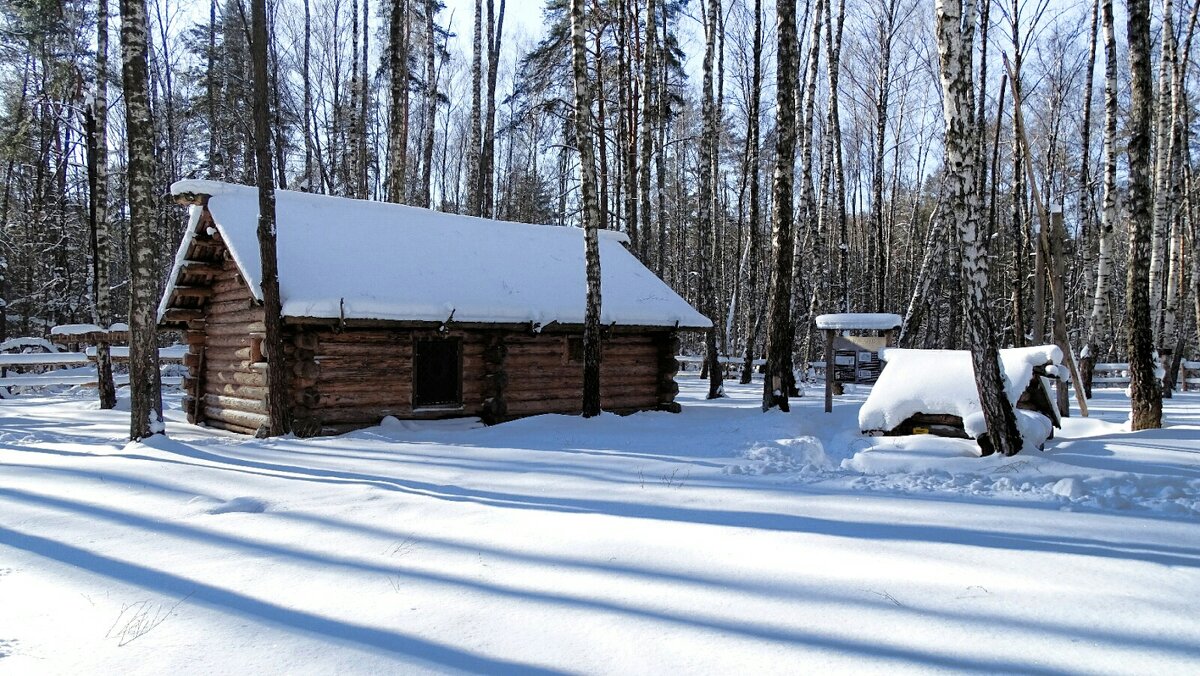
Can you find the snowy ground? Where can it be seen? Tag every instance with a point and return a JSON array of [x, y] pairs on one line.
[[720, 540]]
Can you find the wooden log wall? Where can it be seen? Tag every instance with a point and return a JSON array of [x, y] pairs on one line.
[[345, 380], [543, 379], [230, 391]]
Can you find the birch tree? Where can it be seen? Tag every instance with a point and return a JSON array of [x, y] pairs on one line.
[[955, 29], [145, 381], [1098, 320], [779, 292], [591, 211], [1145, 393], [100, 227]]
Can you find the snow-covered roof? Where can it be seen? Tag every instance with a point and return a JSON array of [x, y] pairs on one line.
[[357, 259], [943, 382], [866, 321]]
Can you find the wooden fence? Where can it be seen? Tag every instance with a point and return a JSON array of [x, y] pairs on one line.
[[63, 368]]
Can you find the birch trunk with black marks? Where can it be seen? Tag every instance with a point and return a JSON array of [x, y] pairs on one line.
[[1145, 393], [646, 152], [474, 157], [398, 114], [1098, 322], [955, 28], [591, 211], [779, 294], [101, 244], [706, 197], [1162, 172], [752, 238], [145, 381], [487, 162], [431, 100]]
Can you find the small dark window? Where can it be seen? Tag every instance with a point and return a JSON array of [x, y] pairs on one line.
[[437, 372], [575, 349]]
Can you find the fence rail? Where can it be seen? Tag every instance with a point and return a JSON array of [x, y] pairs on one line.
[[64, 367]]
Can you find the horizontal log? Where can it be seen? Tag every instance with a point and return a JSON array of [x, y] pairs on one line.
[[182, 315], [364, 350], [214, 365], [247, 421], [250, 315], [224, 353], [194, 337], [232, 296], [201, 268], [252, 392], [243, 328], [334, 400], [229, 307], [359, 414], [229, 427], [643, 391], [575, 405], [235, 403], [192, 291], [227, 283], [235, 377], [219, 340]]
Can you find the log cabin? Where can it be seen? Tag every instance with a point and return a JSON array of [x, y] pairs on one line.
[[391, 310]]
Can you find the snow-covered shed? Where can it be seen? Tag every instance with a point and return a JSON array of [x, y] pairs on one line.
[[401, 311], [933, 391]]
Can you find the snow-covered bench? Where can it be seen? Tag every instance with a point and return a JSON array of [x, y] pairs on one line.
[[933, 392]]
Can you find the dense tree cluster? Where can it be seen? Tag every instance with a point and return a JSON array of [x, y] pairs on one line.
[[694, 152]]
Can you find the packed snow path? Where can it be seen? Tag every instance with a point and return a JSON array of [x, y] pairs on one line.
[[720, 540]]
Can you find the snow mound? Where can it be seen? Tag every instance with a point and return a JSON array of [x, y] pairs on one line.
[[243, 504], [1034, 427], [783, 456]]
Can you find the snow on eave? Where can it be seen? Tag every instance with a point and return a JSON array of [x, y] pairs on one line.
[[866, 321], [189, 234]]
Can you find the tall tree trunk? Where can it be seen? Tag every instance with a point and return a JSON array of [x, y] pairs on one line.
[[1145, 394], [487, 162], [779, 294], [101, 246], [591, 211], [431, 96], [308, 102], [752, 163], [474, 156], [1098, 327], [145, 380], [277, 395], [649, 88], [398, 116], [955, 28], [707, 199], [1162, 171]]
